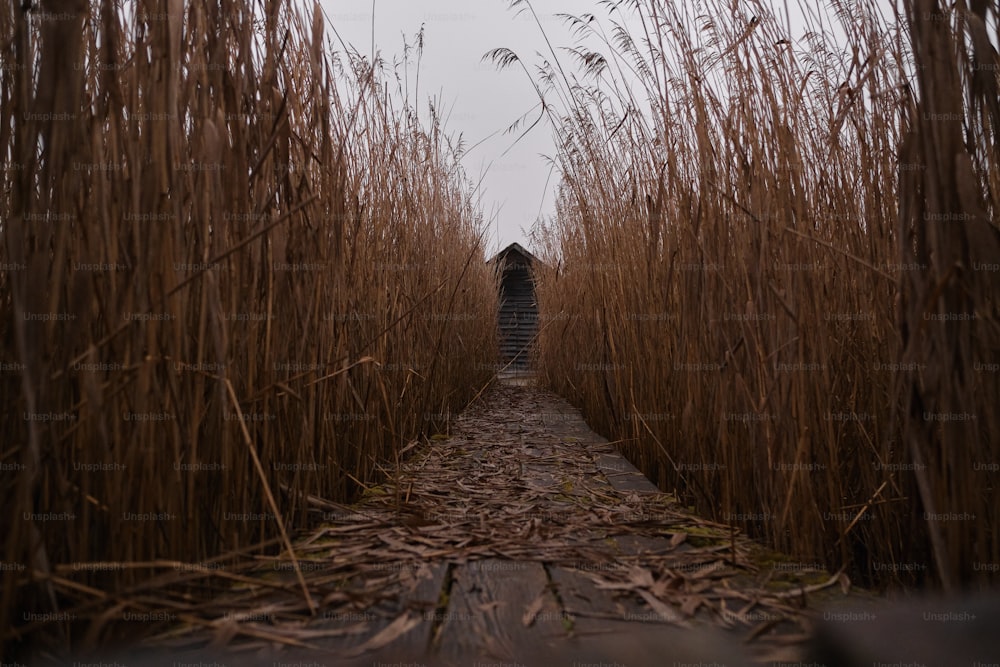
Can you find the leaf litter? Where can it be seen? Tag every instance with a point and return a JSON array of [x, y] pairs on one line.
[[509, 483]]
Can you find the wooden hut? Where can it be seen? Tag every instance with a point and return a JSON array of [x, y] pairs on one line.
[[517, 318]]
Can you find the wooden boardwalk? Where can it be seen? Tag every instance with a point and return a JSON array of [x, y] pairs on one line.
[[522, 538]]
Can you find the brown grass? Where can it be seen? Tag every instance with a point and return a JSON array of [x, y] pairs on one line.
[[235, 276], [740, 268], [948, 314]]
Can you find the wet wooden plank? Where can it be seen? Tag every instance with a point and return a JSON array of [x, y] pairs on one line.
[[485, 613]]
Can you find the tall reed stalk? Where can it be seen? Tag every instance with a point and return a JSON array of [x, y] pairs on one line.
[[235, 276], [739, 272]]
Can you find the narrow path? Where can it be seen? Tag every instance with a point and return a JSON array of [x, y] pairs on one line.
[[523, 538]]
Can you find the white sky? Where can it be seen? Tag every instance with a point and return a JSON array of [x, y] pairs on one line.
[[481, 100]]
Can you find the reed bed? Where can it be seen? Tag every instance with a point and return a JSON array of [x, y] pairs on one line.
[[742, 286], [238, 274]]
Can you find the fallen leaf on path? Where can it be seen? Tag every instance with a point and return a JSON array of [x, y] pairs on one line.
[[532, 610], [663, 610], [389, 634]]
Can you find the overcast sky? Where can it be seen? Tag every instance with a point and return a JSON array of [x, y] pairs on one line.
[[481, 101]]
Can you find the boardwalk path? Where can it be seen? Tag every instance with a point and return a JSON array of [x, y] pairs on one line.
[[523, 538]]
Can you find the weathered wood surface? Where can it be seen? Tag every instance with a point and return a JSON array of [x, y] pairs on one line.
[[522, 538], [486, 611]]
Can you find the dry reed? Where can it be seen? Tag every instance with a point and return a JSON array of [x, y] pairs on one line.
[[741, 286], [236, 275]]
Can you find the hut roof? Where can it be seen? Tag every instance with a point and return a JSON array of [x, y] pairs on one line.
[[514, 248]]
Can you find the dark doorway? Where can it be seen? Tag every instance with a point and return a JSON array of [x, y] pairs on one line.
[[517, 318]]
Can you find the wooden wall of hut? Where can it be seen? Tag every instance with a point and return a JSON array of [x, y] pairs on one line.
[[517, 318]]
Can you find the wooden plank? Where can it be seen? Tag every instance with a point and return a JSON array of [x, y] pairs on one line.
[[419, 598], [614, 628], [486, 609], [641, 544], [630, 644], [580, 597], [622, 475], [539, 476]]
